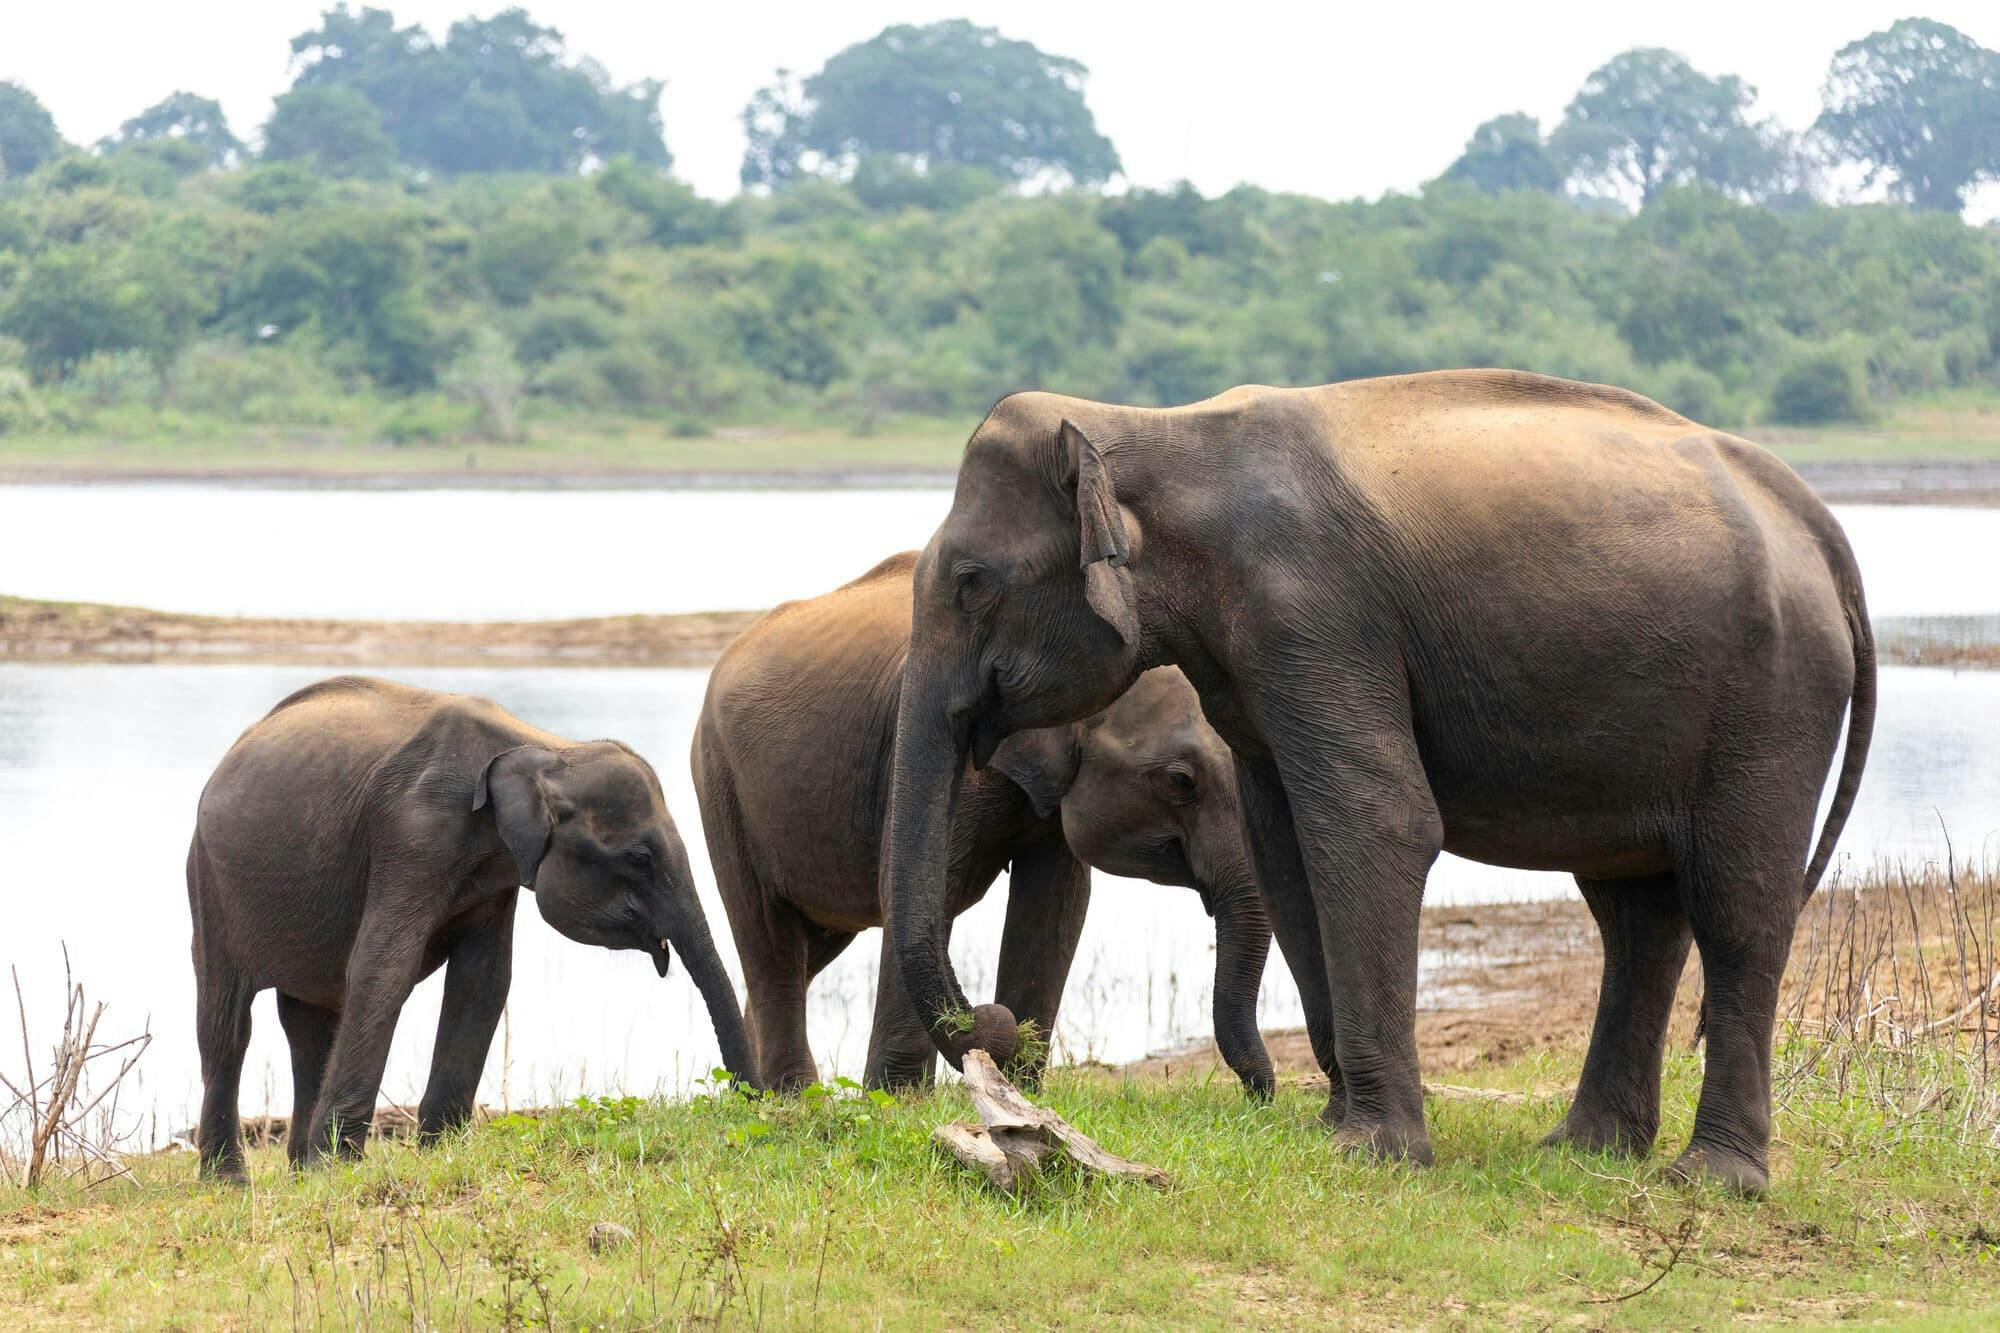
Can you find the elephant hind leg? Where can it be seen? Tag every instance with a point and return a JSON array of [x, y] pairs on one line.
[[1741, 886], [222, 1031], [1646, 939], [309, 1029]]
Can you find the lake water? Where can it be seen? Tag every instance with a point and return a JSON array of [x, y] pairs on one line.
[[489, 555], [100, 766]]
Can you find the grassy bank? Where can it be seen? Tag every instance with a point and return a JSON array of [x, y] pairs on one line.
[[1961, 430], [837, 1212]]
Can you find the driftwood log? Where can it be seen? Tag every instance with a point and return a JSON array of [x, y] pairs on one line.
[[1014, 1136]]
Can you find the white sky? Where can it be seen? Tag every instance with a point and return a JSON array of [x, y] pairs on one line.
[[1333, 99]]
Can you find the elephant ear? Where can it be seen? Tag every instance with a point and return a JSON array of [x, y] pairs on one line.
[[1105, 551], [511, 783], [1042, 763]]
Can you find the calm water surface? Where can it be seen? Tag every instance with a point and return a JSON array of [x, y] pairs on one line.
[[487, 555], [100, 768]]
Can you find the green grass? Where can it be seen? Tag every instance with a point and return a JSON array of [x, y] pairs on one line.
[[834, 1210], [568, 446], [1961, 428]]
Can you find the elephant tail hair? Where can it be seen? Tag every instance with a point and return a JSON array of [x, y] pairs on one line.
[[1860, 727]]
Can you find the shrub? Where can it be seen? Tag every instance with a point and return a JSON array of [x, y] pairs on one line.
[[269, 383], [487, 376], [1818, 387], [21, 407]]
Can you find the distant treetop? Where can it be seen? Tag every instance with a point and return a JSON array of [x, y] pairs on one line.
[[183, 118], [948, 92], [1916, 105], [28, 135], [498, 94]]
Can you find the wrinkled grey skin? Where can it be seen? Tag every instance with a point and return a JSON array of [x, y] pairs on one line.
[[792, 766], [1532, 622], [365, 833]]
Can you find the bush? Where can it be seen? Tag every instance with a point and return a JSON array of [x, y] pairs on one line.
[[114, 379], [1816, 388], [428, 420], [21, 408], [269, 383], [487, 376]]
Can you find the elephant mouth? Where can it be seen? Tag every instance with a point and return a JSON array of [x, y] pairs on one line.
[[661, 957]]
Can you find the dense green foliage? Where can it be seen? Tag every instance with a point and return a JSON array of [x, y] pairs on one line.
[[278, 292], [456, 237]]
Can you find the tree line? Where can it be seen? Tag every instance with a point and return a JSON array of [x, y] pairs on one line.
[[449, 237]]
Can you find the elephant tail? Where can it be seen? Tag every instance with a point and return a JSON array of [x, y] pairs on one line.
[[1860, 727]]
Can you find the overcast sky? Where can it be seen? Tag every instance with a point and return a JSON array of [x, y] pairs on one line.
[[1333, 99]]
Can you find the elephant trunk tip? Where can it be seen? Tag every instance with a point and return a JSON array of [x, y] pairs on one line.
[[992, 1029]]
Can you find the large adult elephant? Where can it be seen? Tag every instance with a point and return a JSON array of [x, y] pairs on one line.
[[792, 767], [364, 834], [1536, 623]]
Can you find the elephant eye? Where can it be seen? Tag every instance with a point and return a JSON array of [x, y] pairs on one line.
[[640, 858], [973, 588], [1175, 783]]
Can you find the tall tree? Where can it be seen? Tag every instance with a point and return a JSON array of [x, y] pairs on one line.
[[336, 129], [1507, 153], [498, 94], [1647, 119], [1917, 104], [28, 135], [943, 92], [185, 118]]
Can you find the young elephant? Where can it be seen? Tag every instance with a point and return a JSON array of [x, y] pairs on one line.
[[365, 833], [792, 766]]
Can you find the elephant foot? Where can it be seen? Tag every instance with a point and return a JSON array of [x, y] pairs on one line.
[[1602, 1132], [1334, 1114], [1733, 1171], [227, 1171], [1386, 1142]]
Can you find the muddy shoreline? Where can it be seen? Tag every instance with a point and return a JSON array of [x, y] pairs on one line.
[[34, 631]]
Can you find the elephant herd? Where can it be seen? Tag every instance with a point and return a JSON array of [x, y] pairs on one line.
[[1282, 646]]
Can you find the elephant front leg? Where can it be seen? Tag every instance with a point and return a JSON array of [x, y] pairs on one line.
[[900, 1051], [1369, 831], [479, 970], [1269, 833], [1048, 895], [383, 969]]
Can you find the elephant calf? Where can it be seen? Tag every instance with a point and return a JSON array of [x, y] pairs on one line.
[[792, 768], [365, 833]]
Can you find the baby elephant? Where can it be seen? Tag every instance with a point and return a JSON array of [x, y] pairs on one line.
[[792, 766], [363, 834]]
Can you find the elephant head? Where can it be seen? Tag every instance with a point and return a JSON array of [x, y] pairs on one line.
[[1024, 615], [589, 833], [1146, 789]]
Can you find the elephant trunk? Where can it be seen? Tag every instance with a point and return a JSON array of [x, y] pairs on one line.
[[929, 768], [687, 931], [1242, 942]]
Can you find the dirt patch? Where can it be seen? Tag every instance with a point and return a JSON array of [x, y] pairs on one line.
[[1501, 979], [34, 631], [85, 632]]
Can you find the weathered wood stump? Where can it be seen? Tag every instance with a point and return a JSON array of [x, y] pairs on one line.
[[1014, 1136]]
